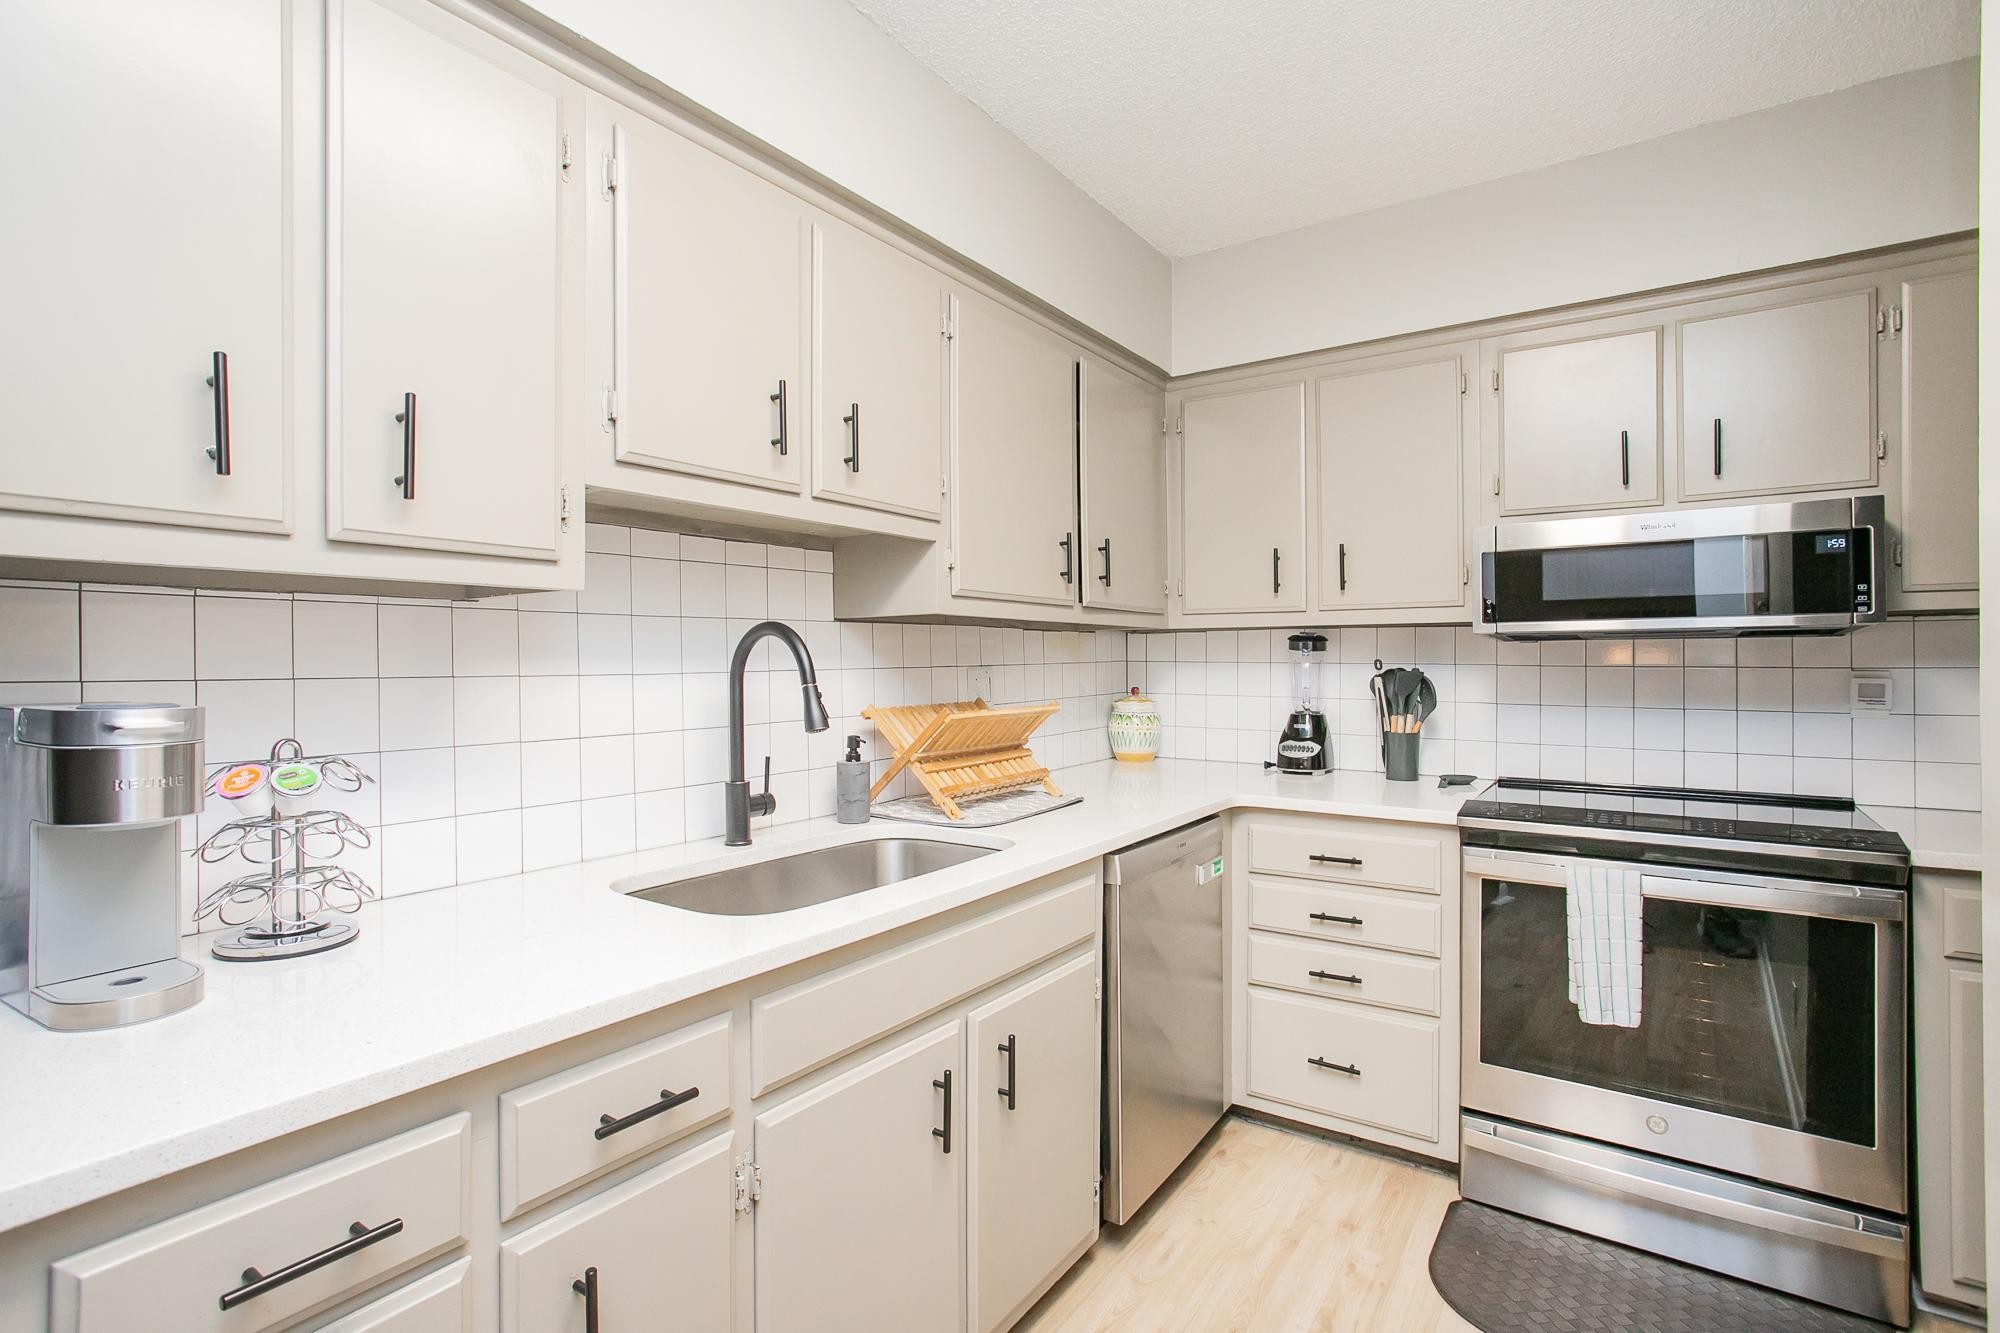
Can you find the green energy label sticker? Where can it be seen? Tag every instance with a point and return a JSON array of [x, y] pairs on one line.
[[1208, 870]]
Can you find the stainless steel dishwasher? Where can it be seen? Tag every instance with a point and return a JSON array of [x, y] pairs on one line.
[[1165, 1009]]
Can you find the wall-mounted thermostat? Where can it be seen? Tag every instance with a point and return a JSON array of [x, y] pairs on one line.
[[1873, 694]]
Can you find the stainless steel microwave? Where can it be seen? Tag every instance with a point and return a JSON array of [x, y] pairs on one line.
[[1813, 567]]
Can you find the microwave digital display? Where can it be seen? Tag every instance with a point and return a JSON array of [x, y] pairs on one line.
[[1830, 543]]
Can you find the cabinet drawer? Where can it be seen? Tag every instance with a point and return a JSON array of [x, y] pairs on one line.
[[1350, 852], [440, 1302], [1382, 918], [1961, 921], [554, 1133], [657, 1249], [1368, 976], [805, 1025], [1396, 1058], [175, 1273]]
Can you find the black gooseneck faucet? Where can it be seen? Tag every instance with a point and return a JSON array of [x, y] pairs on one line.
[[738, 805]]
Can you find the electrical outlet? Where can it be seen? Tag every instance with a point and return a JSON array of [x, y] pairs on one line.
[[979, 682]]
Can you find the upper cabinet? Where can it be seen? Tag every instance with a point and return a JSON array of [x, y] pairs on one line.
[[451, 208], [1578, 423], [145, 356], [711, 279], [1013, 488], [1779, 398], [878, 432], [1933, 337], [1123, 528], [1392, 518], [1243, 499]]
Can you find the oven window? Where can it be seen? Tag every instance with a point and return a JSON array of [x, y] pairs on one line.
[[1759, 1015], [1779, 575]]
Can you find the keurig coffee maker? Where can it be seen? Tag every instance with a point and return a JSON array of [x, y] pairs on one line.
[[1304, 746], [90, 796]]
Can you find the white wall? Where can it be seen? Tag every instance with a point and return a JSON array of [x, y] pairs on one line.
[[816, 80], [1890, 161]]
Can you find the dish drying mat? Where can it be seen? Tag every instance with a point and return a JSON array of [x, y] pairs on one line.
[[983, 812]]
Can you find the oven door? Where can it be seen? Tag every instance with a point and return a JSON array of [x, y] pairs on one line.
[[1771, 1035]]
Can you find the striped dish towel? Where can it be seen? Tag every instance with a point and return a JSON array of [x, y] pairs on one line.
[[1606, 913]]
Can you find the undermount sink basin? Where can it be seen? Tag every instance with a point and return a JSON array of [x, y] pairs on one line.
[[805, 878]]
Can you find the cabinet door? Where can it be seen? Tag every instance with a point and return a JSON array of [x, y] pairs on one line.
[[711, 274], [1032, 1093], [1940, 434], [1779, 399], [1124, 527], [1968, 1136], [145, 229], [878, 435], [659, 1243], [1013, 510], [448, 240], [1580, 423], [858, 1223], [1243, 488], [1391, 486]]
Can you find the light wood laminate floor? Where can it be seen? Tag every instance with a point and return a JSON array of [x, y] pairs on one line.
[[1266, 1230]]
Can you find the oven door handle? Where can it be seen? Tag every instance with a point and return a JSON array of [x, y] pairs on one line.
[[1848, 902]]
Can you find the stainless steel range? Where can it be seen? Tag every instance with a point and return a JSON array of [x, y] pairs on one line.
[[1684, 1028]]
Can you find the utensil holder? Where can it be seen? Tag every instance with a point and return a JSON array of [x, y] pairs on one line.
[[1399, 755]]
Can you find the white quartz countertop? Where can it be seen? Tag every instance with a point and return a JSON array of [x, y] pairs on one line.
[[445, 982], [1939, 839]]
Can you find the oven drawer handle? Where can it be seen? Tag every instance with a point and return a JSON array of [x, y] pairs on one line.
[[1342, 920], [1353, 1070], [1319, 859], [256, 1282], [1318, 975]]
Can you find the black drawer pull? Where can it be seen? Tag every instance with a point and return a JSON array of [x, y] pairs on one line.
[[1343, 566], [408, 416], [1625, 457], [853, 420], [1009, 1048], [945, 1133], [359, 1237], [1105, 550], [1335, 860], [781, 441], [218, 380], [1334, 976], [1342, 920], [1355, 1070], [586, 1287], [1275, 585], [607, 1125], [1068, 544], [1718, 446]]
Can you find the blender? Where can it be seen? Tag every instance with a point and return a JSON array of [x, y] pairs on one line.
[[1303, 746]]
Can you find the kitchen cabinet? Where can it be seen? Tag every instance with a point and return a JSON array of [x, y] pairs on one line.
[[1243, 499], [1779, 398], [711, 283], [450, 233], [1032, 1094], [1947, 964], [1391, 468], [439, 1302], [1013, 451], [658, 1245], [149, 229], [1934, 337], [879, 378], [1119, 432], [1578, 425], [864, 1235]]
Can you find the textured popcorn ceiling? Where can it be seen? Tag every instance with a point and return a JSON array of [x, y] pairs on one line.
[[1202, 123]]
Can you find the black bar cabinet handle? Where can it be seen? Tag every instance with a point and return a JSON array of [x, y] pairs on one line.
[[1274, 572], [1338, 1069], [1318, 975], [1342, 920], [781, 441], [853, 420], [607, 1125], [945, 1133], [1625, 457], [1718, 446], [1105, 551], [218, 380], [1335, 860], [408, 416], [1068, 544], [1343, 566], [1008, 1048], [586, 1287], [359, 1237]]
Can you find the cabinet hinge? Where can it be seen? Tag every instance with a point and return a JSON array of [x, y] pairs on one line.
[[1180, 423], [565, 157], [562, 511], [1496, 483], [1896, 552], [749, 1183], [1463, 379], [1496, 381], [1465, 576], [613, 175], [1881, 446], [1097, 988], [1097, 1191], [1895, 321], [610, 407], [1881, 321], [948, 327], [944, 485]]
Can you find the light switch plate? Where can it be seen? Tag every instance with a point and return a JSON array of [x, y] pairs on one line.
[[979, 682]]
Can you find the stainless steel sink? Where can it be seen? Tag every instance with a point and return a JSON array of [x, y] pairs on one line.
[[801, 880]]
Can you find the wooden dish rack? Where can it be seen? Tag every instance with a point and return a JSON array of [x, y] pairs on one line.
[[963, 749]]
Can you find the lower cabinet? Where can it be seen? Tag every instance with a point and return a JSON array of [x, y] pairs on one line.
[[858, 1223], [1031, 1120], [1947, 985], [439, 1302]]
